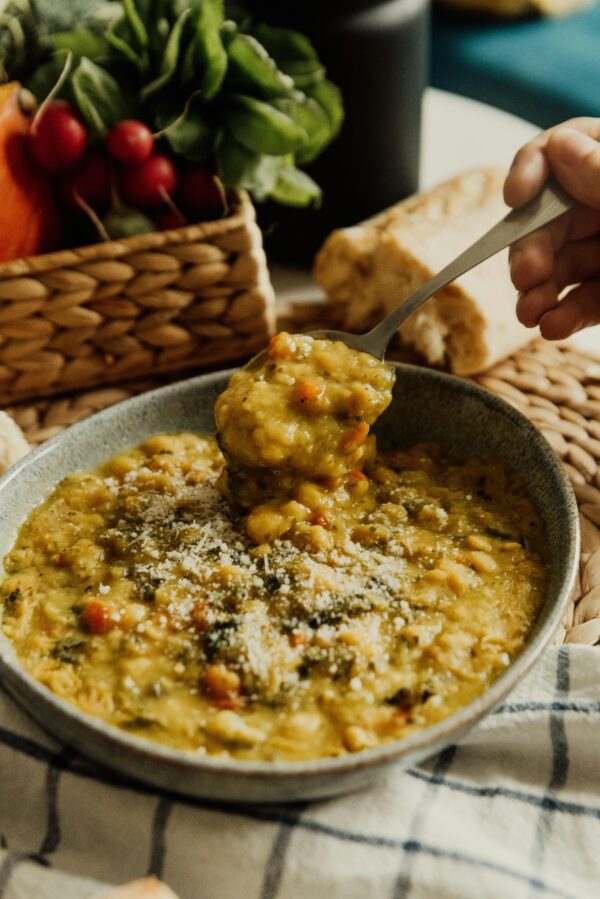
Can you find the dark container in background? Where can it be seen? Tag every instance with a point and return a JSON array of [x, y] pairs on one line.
[[377, 53]]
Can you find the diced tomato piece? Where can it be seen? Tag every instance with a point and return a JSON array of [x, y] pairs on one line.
[[221, 682], [309, 390], [319, 518], [100, 617], [355, 438], [358, 475]]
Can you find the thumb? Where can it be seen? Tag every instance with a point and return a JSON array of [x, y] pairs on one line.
[[575, 160]]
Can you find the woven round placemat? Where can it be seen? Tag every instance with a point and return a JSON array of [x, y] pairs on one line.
[[557, 388]]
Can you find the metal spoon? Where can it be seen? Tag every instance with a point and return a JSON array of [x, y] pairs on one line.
[[551, 202]]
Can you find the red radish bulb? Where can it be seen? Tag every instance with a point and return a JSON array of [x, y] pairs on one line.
[[91, 181], [201, 193], [130, 141], [145, 184], [60, 138], [169, 219]]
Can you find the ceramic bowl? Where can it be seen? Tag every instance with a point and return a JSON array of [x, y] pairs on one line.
[[427, 406]]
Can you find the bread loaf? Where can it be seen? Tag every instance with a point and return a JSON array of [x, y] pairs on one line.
[[13, 445], [366, 270], [146, 888]]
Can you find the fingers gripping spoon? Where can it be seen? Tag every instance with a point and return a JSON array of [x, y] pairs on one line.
[[550, 203]]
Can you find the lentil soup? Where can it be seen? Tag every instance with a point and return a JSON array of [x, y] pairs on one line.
[[136, 592]]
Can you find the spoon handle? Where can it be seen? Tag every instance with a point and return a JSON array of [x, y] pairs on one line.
[[551, 202]]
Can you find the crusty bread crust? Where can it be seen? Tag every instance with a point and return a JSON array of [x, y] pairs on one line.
[[368, 269], [13, 445]]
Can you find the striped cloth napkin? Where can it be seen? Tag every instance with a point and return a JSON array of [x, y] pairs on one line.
[[513, 811]]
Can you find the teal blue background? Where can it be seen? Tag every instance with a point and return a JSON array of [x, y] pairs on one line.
[[545, 70]]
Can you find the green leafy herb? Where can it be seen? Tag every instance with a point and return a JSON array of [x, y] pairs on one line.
[[192, 138], [295, 188], [138, 29], [68, 650], [293, 53], [206, 52], [237, 166], [98, 96], [119, 36], [170, 59], [262, 105], [262, 128], [329, 97], [314, 121], [251, 67]]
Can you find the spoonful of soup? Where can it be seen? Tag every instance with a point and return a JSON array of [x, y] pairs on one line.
[[294, 427]]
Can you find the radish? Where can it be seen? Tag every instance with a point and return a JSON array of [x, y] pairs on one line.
[[60, 137], [147, 184], [201, 193], [91, 182], [130, 141], [169, 219]]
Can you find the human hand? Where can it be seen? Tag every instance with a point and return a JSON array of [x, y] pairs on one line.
[[566, 252]]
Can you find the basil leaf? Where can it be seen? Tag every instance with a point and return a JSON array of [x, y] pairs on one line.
[[239, 167], [98, 96], [136, 24], [170, 58], [261, 128], [295, 188], [329, 97], [206, 53], [251, 67], [310, 116], [293, 53]]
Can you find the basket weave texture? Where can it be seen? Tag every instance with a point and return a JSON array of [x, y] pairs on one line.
[[556, 388], [193, 296]]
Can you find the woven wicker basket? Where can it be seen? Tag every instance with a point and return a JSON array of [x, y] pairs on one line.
[[194, 296]]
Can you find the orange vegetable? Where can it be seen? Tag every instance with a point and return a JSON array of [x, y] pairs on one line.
[[100, 617], [358, 475], [281, 346], [29, 221], [355, 438], [320, 519], [309, 390], [222, 683]]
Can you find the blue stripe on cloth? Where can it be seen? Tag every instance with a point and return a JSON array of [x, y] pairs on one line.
[[560, 763], [586, 707], [79, 767], [404, 878], [544, 801], [52, 836], [41, 753], [276, 861], [159, 827]]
